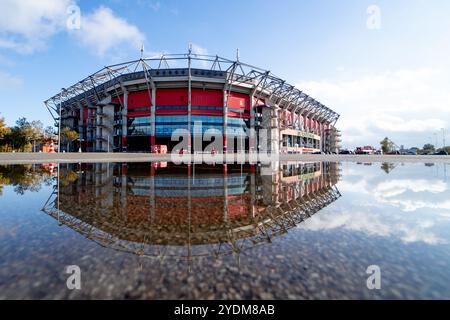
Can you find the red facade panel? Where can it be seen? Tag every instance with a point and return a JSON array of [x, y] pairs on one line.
[[239, 101], [172, 97], [207, 112], [142, 113], [232, 114], [206, 97], [139, 99], [85, 116]]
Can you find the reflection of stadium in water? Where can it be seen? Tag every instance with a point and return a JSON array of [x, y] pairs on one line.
[[165, 210]]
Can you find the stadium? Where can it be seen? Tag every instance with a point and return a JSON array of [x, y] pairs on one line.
[[136, 106]]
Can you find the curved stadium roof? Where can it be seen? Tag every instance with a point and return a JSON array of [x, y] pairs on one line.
[[235, 73]]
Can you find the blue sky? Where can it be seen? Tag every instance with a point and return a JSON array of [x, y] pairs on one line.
[[391, 81]]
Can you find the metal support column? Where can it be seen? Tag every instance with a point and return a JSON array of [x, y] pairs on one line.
[[124, 118], [189, 111], [225, 120], [252, 135], [91, 123], [225, 192], [152, 98], [153, 118], [81, 126]]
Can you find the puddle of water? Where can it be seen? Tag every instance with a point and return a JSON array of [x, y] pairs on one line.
[[288, 231]]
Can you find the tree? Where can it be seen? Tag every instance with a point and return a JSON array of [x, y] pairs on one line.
[[20, 135], [387, 167], [23, 177], [428, 148], [50, 131], [386, 145], [4, 130], [36, 132], [68, 135], [49, 134], [5, 133]]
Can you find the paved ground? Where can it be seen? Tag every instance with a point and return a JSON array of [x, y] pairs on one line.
[[20, 158]]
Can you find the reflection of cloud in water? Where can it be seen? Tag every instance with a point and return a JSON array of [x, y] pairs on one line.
[[359, 186], [8, 230], [395, 193], [395, 187], [413, 205], [374, 224], [357, 221], [376, 206], [388, 191]]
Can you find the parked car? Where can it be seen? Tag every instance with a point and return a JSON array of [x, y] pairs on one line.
[[441, 153], [344, 151]]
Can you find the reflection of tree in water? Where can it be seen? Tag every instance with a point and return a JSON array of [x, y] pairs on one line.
[[24, 177], [67, 177], [3, 181], [387, 167]]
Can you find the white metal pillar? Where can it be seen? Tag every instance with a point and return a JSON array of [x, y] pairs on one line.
[[189, 111], [124, 117]]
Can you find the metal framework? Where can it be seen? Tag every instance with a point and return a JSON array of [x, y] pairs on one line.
[[276, 220], [262, 83]]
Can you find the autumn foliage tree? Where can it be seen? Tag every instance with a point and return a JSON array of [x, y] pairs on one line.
[[68, 136]]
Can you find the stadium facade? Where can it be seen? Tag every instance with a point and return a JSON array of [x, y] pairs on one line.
[[136, 106]]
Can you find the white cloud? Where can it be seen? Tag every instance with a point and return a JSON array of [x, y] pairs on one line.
[[374, 224], [390, 192], [352, 186], [196, 49], [154, 5], [102, 31], [409, 205], [6, 61], [349, 220], [9, 81], [397, 205], [398, 186], [406, 105], [399, 124], [26, 25]]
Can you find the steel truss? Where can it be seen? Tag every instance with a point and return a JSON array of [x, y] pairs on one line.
[[264, 84], [276, 220]]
